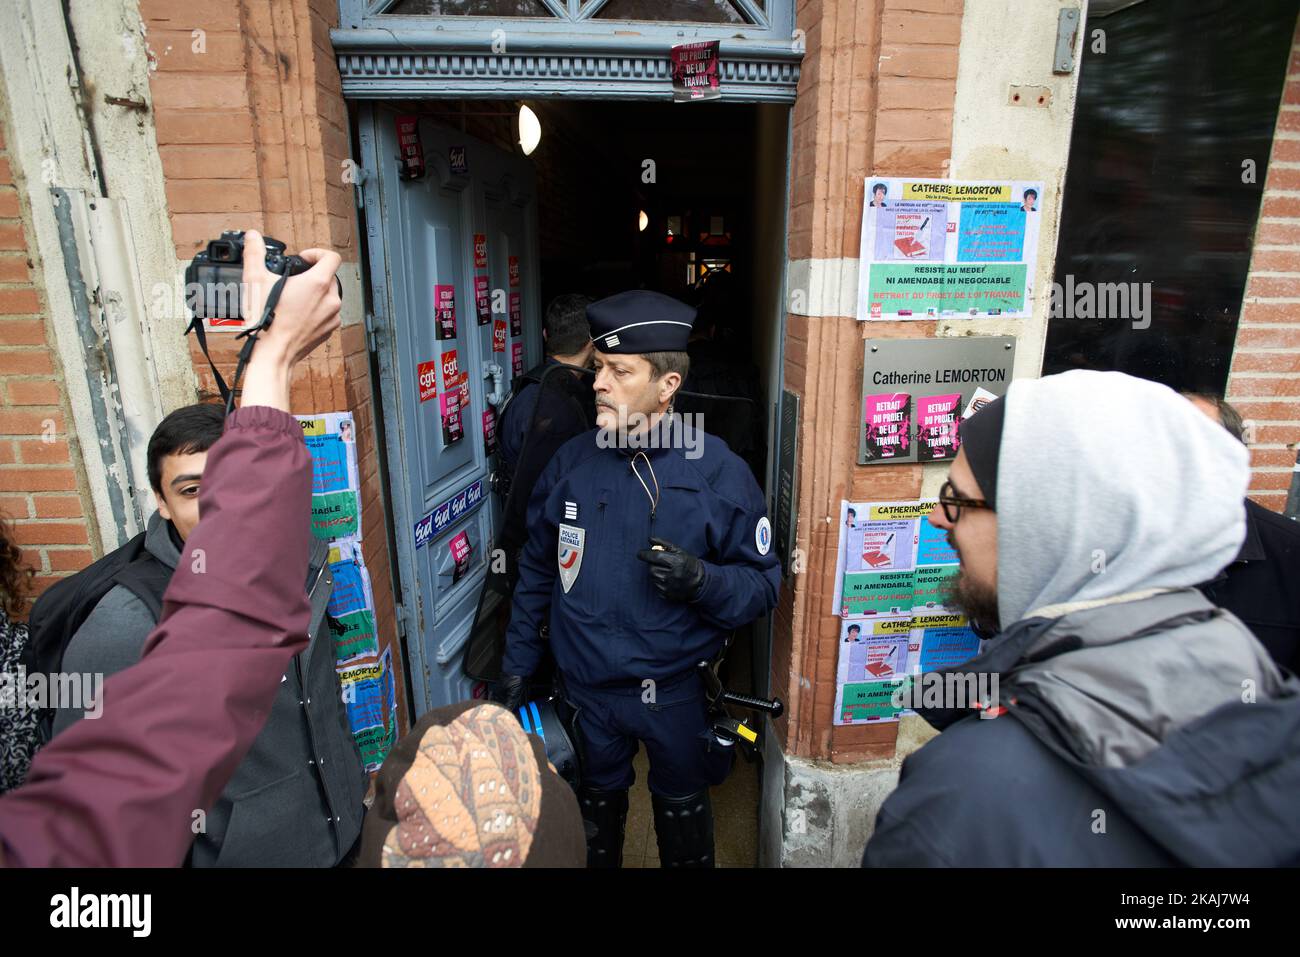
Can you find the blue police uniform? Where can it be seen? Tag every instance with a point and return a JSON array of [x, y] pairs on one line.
[[627, 653]]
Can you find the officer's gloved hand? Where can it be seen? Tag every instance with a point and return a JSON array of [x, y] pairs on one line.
[[677, 574], [509, 691]]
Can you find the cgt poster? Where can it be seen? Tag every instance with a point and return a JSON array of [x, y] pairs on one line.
[[934, 248], [336, 517], [892, 579]]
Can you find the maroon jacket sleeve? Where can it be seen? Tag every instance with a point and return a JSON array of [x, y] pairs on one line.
[[123, 789]]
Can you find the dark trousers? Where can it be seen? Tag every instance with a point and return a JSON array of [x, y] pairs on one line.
[[673, 722]]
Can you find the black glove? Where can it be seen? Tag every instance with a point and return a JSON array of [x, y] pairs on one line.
[[509, 692], [678, 575]]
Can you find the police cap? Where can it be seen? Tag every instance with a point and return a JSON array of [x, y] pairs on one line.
[[638, 321]]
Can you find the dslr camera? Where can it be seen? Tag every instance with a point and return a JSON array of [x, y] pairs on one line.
[[213, 278]]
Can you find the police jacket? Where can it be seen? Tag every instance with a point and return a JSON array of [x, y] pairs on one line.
[[589, 516]]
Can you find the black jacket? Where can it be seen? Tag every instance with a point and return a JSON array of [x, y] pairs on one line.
[[1153, 732], [1262, 587]]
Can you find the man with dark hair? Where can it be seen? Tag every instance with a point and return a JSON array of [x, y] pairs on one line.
[[537, 419], [299, 791], [630, 612], [1262, 585]]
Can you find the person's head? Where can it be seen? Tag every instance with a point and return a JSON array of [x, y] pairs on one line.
[[640, 357], [178, 451], [1104, 485], [853, 632], [15, 574], [567, 333], [1219, 411], [851, 517], [878, 193], [965, 511], [1031, 198]]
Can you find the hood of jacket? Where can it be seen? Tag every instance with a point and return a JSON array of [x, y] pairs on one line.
[[1108, 484], [1172, 709], [159, 543]]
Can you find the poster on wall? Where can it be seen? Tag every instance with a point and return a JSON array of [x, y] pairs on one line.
[[695, 71], [335, 487], [893, 575], [933, 248], [444, 305], [452, 402]]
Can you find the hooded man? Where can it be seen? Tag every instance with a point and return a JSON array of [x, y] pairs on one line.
[[1136, 724]]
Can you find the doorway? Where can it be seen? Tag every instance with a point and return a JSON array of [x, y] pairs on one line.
[[688, 200]]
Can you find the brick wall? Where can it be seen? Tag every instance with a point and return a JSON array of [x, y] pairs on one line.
[[1264, 382], [253, 133], [39, 486], [876, 95]]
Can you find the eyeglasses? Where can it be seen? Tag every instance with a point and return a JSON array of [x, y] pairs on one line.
[[953, 503]]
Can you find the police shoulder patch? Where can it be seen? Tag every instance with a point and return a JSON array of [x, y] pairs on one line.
[[569, 554], [763, 536]]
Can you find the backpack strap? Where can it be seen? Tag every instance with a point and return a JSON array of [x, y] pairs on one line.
[[146, 578]]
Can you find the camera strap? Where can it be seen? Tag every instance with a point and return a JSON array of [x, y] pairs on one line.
[[200, 334]]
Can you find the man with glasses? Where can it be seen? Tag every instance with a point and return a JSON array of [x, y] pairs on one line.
[[1135, 724]]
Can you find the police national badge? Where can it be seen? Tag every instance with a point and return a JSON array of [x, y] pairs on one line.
[[570, 554]]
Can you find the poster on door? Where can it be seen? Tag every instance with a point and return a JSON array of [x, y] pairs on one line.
[[933, 248], [444, 304], [453, 400], [426, 377], [516, 315], [482, 300], [499, 335], [489, 431], [514, 271], [517, 358], [460, 549]]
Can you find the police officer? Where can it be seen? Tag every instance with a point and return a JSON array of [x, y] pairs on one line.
[[648, 543]]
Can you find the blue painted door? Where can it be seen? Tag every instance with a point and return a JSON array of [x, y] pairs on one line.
[[433, 243]]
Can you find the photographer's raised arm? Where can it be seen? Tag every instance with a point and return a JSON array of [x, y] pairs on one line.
[[129, 788]]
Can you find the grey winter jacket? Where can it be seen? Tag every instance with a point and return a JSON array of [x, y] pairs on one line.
[[296, 800], [1143, 733]]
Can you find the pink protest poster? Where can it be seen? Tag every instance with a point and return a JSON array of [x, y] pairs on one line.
[[480, 251], [452, 431], [937, 424], [482, 300], [514, 271], [444, 305], [517, 358], [460, 549], [516, 315], [695, 71], [489, 431], [887, 419]]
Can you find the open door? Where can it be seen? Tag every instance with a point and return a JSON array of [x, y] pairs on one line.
[[463, 232]]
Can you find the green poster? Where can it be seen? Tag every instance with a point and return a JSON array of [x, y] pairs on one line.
[[956, 287], [355, 636], [932, 583], [334, 515], [882, 593], [870, 701]]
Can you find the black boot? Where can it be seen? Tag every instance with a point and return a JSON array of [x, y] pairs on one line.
[[684, 829], [605, 815]]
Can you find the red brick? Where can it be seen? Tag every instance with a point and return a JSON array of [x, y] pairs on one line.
[[8, 452], [1270, 311], [69, 559], [30, 422], [11, 236], [936, 29], [1242, 386], [1289, 120], [58, 506], [13, 506], [1286, 151], [1271, 500], [1262, 337], [9, 206], [33, 392], [51, 533], [25, 362], [1277, 234], [1273, 287], [1271, 458], [1266, 362], [1263, 411], [6, 172], [906, 60], [1276, 260], [22, 479], [22, 332], [209, 127], [209, 162], [1270, 481], [212, 15], [1282, 206], [213, 196], [40, 452], [188, 91], [1277, 435], [14, 269], [19, 302], [175, 51]]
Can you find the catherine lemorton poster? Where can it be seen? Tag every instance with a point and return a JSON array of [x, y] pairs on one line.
[[893, 576], [933, 247]]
